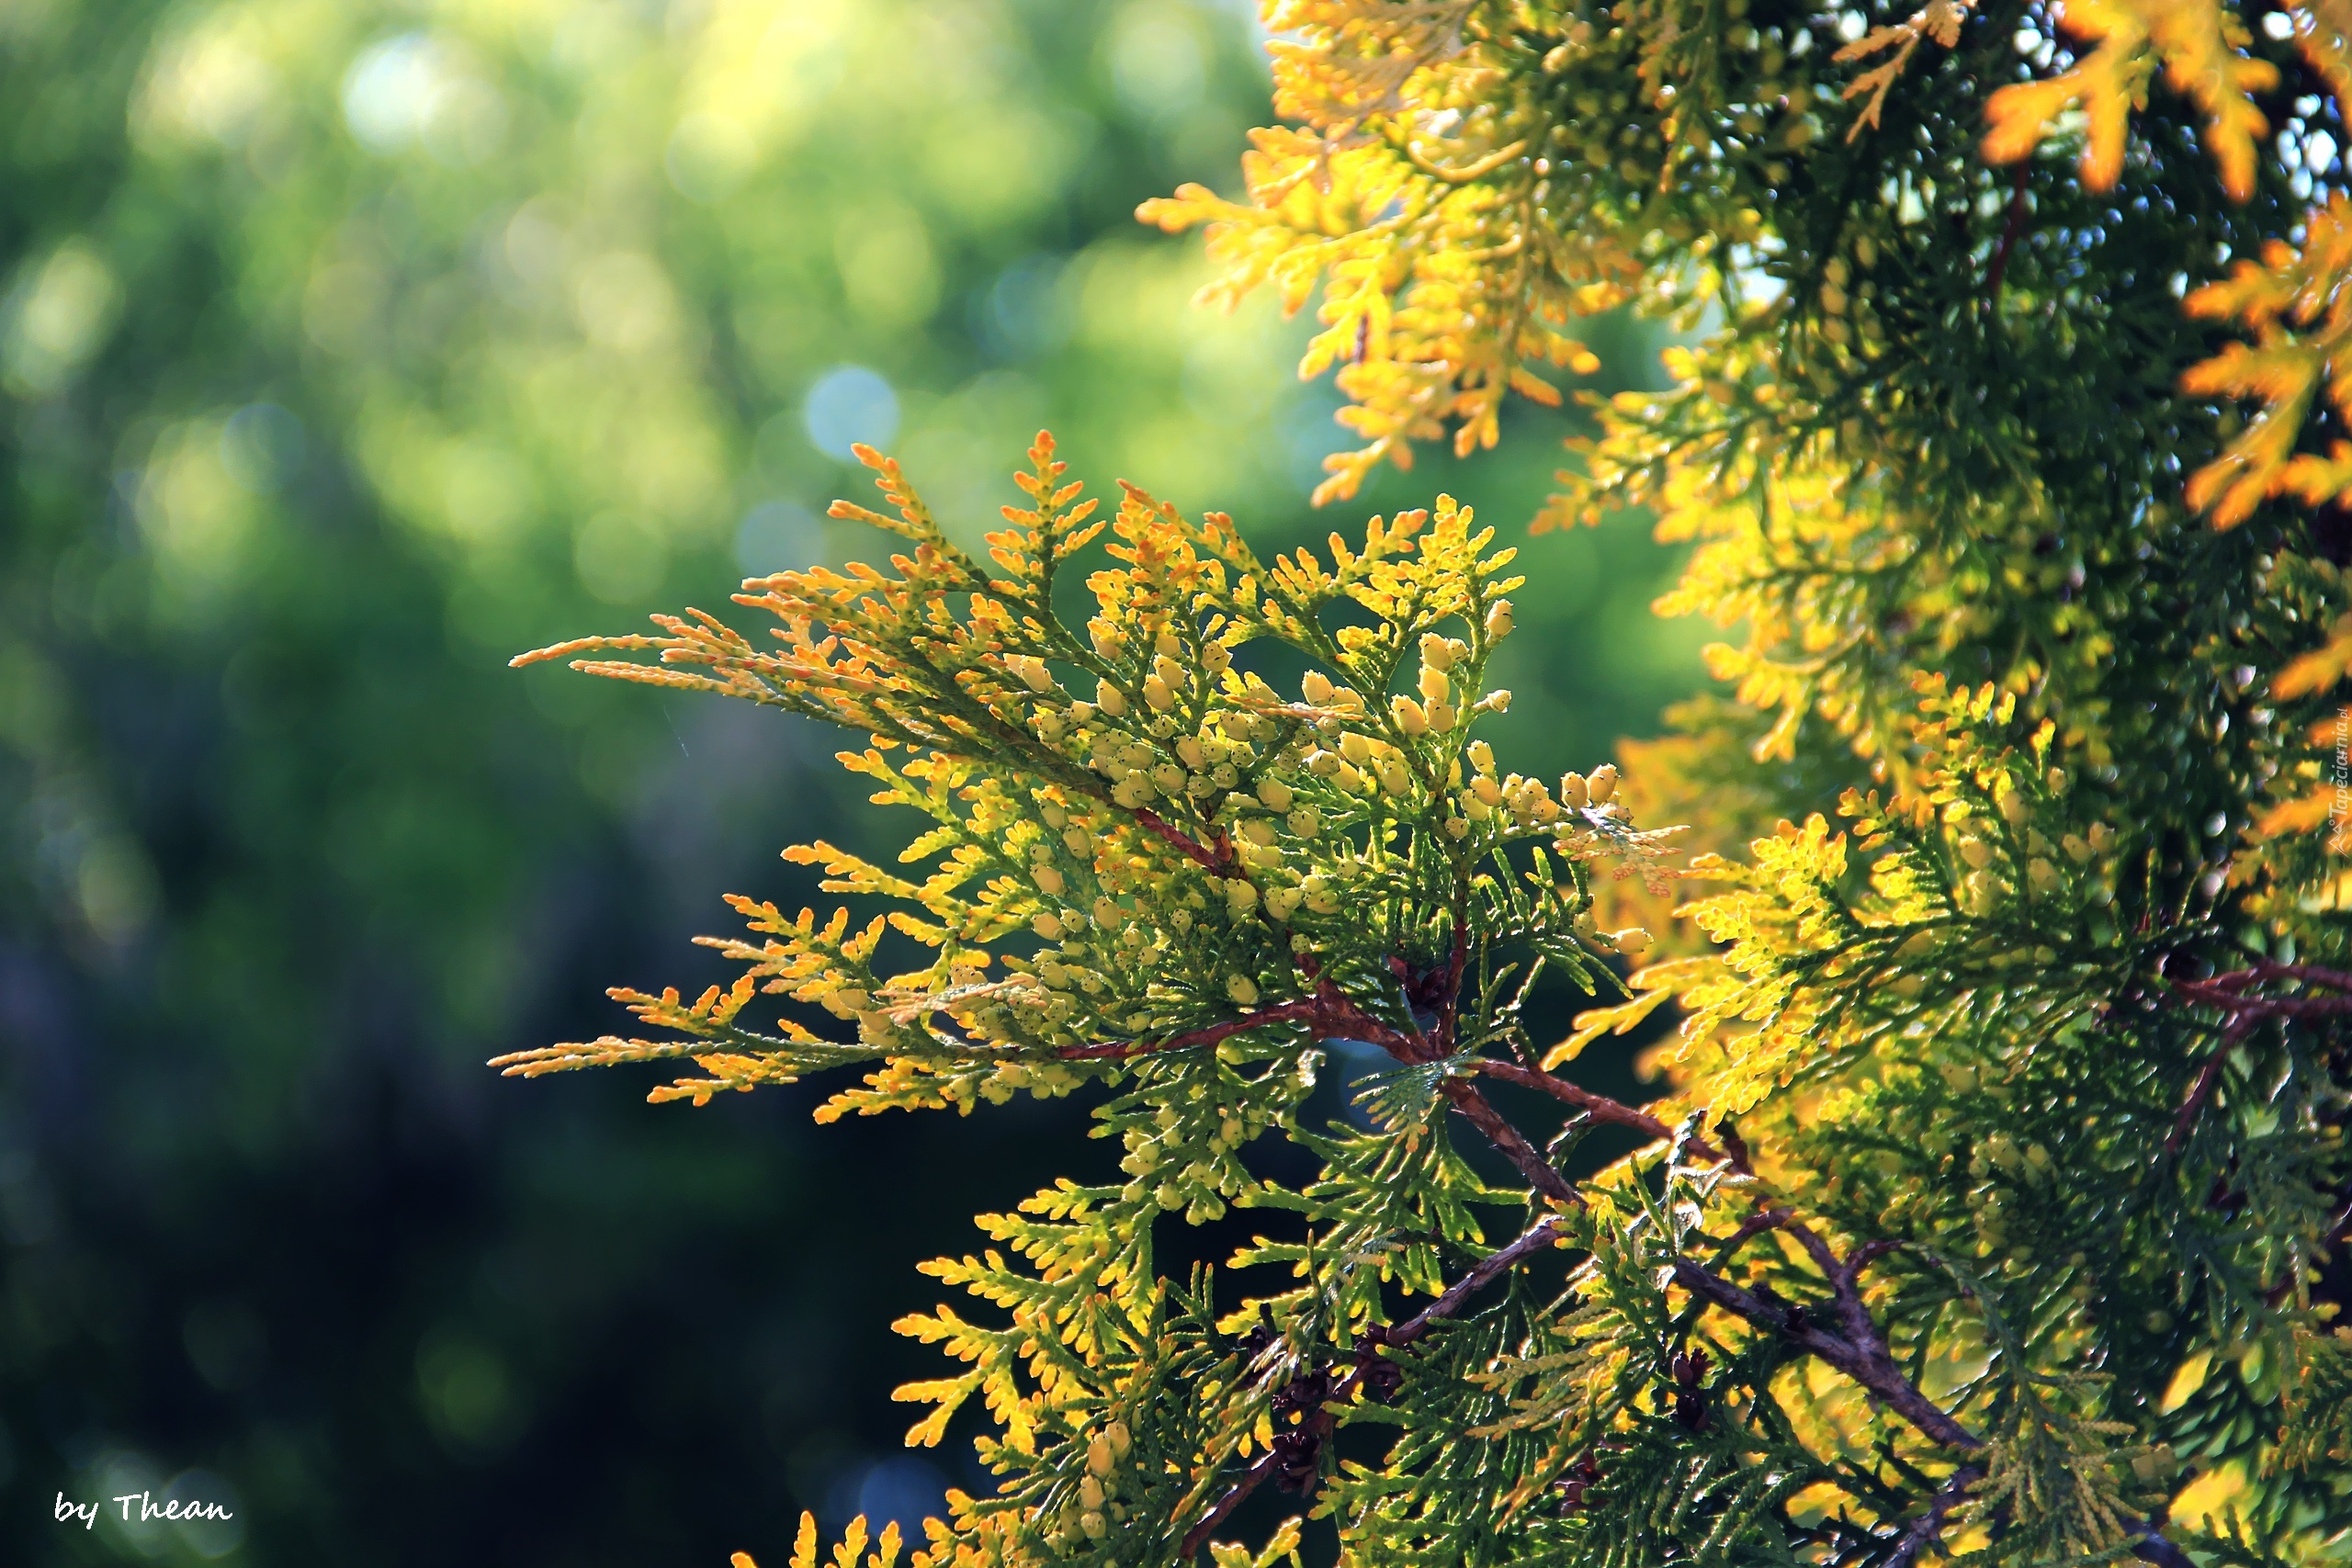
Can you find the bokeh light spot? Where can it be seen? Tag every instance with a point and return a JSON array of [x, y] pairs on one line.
[[55, 318], [389, 91], [903, 1490], [417, 88], [850, 404]]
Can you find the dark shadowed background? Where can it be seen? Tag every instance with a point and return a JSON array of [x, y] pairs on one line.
[[350, 346]]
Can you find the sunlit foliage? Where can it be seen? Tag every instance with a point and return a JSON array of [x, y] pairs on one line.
[[1996, 1210], [1182, 886]]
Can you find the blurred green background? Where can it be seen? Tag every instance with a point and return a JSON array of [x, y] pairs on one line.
[[350, 346]]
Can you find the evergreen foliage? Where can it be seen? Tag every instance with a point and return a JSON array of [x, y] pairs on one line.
[[1996, 1207]]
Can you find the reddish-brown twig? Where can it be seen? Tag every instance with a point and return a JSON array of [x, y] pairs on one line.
[[1320, 1423], [1755, 1225], [1864, 1256], [1457, 962], [1523, 1156], [2198, 1093], [1286, 1012], [1542, 1238], [1929, 1525], [1600, 1107], [1238, 1494], [2229, 991], [1862, 1358], [1221, 864], [2231, 1001], [1331, 1014], [2009, 232]]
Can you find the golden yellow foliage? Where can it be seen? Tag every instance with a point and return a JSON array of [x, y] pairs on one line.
[[2004, 1073], [2201, 45], [2320, 668], [1938, 19], [2297, 303], [1416, 192]]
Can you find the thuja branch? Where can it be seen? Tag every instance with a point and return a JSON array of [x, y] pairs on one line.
[[1855, 1344], [1859, 1351], [1863, 1357], [1523, 1156], [1252, 1479], [1319, 1422], [2208, 1077], [1861, 1354], [1542, 1238], [1599, 1107], [1217, 862], [1330, 1014], [1175, 891], [1305, 1012], [1921, 1532], [2234, 993]]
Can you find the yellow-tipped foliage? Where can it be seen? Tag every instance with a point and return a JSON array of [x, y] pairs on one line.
[[2000, 1016]]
